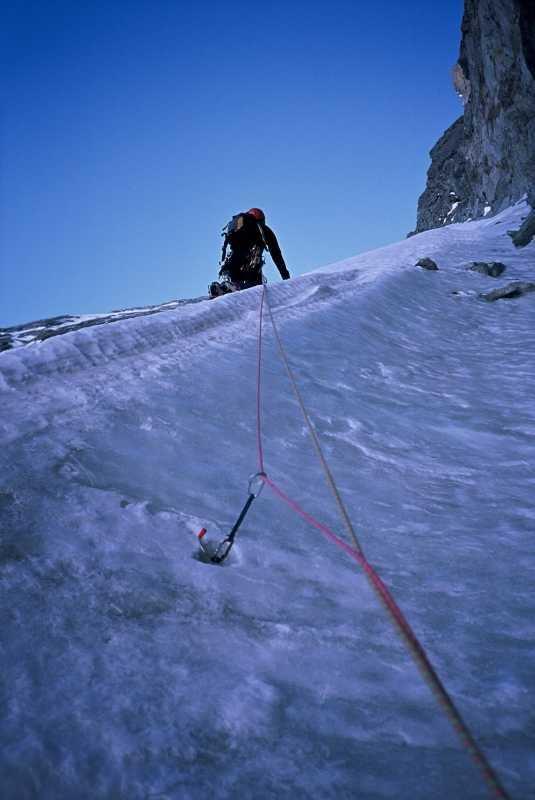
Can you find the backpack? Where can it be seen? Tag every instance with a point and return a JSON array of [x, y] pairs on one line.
[[237, 229], [241, 233]]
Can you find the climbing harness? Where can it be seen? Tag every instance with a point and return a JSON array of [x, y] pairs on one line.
[[253, 258]]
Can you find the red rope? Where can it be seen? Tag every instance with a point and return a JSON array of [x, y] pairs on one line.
[[259, 387], [396, 615]]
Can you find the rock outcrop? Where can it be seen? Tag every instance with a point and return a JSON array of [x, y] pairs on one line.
[[510, 291], [426, 263], [486, 160], [491, 268], [526, 232]]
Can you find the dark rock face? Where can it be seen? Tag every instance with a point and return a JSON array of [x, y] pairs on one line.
[[426, 263], [526, 232], [510, 291], [527, 27], [5, 342], [486, 160], [441, 202], [491, 268]]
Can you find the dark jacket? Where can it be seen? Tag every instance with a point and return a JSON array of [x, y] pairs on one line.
[[243, 251]]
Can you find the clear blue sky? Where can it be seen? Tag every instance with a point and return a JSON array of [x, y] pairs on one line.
[[133, 129]]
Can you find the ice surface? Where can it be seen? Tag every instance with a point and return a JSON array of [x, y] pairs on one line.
[[132, 670]]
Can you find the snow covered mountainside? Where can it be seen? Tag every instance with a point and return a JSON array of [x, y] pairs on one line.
[[42, 329], [133, 670]]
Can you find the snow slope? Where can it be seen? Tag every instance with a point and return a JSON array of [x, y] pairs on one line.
[[132, 670], [42, 329]]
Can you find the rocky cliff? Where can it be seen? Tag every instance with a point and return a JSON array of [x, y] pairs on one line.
[[486, 160]]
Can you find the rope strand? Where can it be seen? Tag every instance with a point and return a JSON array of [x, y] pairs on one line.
[[399, 620], [258, 389], [313, 434]]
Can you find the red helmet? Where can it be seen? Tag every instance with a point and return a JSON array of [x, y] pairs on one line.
[[258, 214]]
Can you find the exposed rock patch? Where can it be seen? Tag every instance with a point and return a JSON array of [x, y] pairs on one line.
[[510, 291], [491, 268], [426, 263], [525, 233], [5, 342]]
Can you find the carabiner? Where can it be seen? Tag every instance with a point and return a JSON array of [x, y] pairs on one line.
[[256, 483], [255, 486]]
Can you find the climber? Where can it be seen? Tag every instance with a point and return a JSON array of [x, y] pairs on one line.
[[245, 238]]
